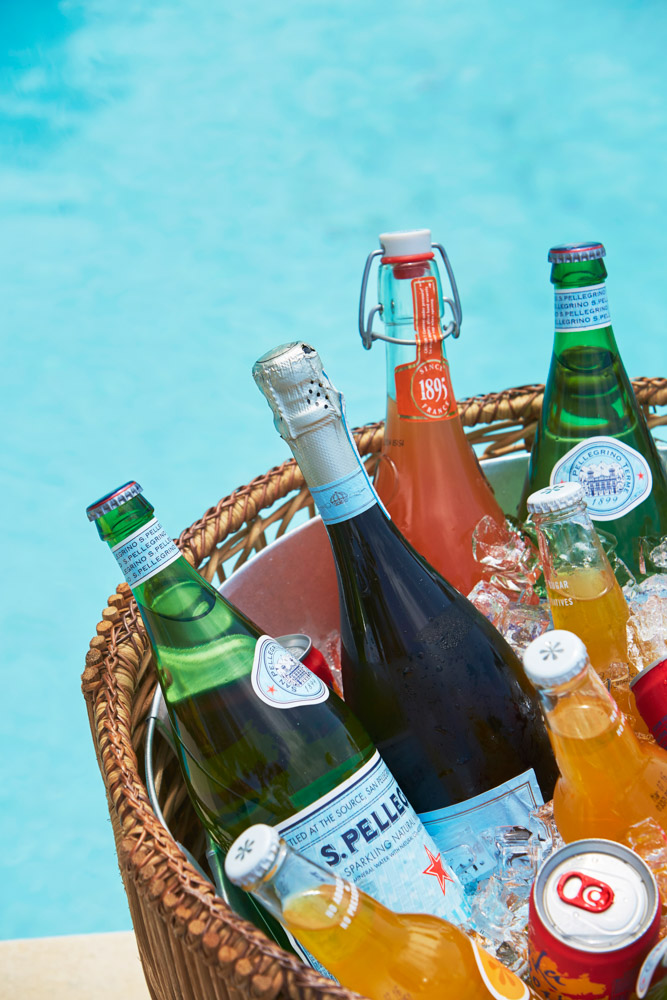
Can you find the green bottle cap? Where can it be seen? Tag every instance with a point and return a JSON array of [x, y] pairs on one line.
[[574, 253], [113, 500], [252, 855], [553, 658]]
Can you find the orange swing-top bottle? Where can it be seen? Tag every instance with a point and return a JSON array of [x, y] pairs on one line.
[[428, 476]]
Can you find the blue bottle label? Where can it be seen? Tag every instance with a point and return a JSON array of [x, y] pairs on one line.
[[366, 832], [464, 832], [615, 477], [581, 308], [344, 498], [145, 552], [282, 681]]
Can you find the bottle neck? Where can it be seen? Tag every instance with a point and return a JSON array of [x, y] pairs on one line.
[[292, 876], [410, 294], [141, 546], [580, 709], [568, 541], [581, 307], [333, 470]]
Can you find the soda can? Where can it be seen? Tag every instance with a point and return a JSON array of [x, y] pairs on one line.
[[301, 645], [650, 690], [594, 914]]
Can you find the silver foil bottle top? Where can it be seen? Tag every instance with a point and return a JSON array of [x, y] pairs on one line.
[[297, 389]]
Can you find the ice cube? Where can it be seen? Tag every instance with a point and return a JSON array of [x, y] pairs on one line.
[[647, 624], [652, 554], [502, 549], [489, 600], [521, 623]]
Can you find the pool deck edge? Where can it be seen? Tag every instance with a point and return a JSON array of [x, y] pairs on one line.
[[72, 967]]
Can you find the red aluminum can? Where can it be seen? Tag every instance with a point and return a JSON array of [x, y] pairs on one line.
[[594, 915], [301, 646], [650, 690]]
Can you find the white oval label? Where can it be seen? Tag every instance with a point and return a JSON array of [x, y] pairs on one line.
[[282, 681], [615, 477]]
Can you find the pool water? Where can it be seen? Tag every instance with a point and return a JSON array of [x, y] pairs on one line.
[[184, 185]]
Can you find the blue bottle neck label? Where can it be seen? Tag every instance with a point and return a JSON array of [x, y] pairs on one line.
[[351, 494], [280, 680], [464, 832], [615, 477], [345, 497], [145, 552], [365, 831], [581, 308]]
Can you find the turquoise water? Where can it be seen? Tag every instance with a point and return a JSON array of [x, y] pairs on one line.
[[185, 184]]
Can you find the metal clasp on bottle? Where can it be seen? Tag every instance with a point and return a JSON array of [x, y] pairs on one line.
[[368, 335]]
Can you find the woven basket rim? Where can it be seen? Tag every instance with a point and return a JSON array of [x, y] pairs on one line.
[[167, 884]]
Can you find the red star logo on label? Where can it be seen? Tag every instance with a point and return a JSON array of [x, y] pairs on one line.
[[271, 690], [435, 868], [640, 475]]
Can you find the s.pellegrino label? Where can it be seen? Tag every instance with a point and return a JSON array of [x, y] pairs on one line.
[[145, 552], [615, 477], [282, 681], [464, 832], [581, 308], [365, 831]]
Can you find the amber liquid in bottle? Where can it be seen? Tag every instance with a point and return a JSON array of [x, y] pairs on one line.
[[609, 780], [369, 947]]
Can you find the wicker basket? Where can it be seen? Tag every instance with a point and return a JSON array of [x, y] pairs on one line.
[[192, 945]]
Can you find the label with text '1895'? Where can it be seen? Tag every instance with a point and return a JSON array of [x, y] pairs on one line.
[[423, 386]]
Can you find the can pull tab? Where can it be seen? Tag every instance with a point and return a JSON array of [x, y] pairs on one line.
[[593, 895]]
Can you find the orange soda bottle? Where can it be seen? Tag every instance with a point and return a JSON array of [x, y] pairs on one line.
[[428, 476], [609, 779], [366, 946], [584, 595]]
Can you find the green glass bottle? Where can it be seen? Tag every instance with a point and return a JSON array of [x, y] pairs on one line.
[[259, 736], [591, 429]]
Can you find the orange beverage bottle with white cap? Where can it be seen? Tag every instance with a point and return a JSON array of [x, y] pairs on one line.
[[366, 946], [609, 779]]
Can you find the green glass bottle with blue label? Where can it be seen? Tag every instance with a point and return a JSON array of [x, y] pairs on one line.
[[591, 429], [445, 699], [261, 738]]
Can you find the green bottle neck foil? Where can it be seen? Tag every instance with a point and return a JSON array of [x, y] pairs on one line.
[[588, 396]]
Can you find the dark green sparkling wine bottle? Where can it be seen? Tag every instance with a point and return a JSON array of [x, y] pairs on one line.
[[591, 428], [260, 738], [443, 696]]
